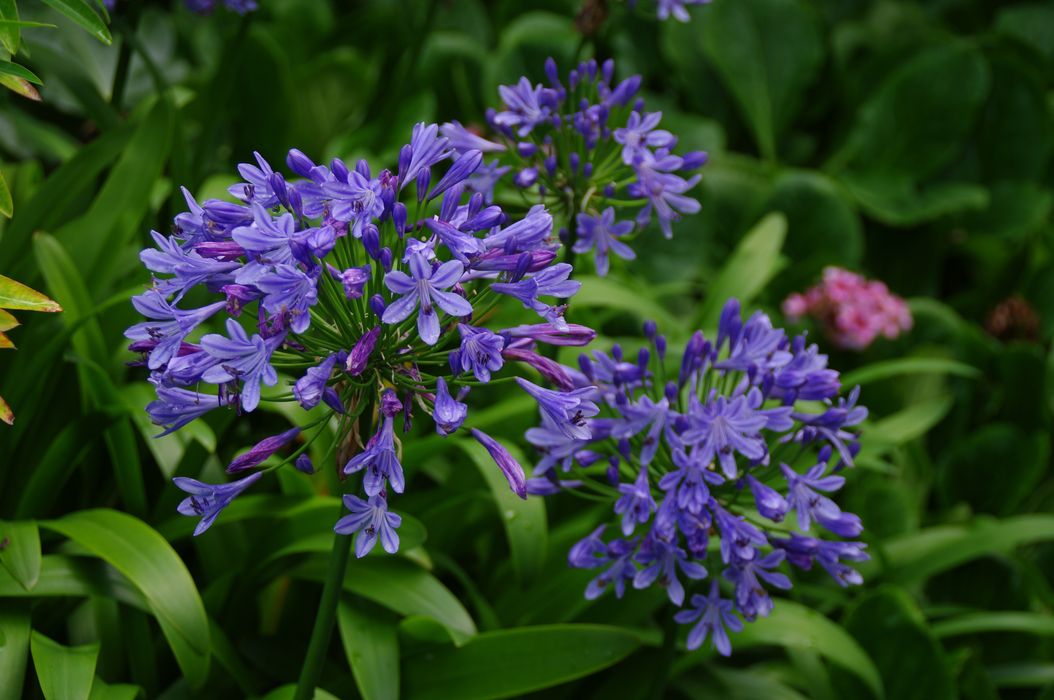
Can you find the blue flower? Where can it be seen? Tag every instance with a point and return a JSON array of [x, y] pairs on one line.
[[524, 106], [369, 519], [424, 286], [242, 359], [510, 468], [449, 413], [602, 233], [715, 618], [168, 326], [677, 8], [309, 389], [289, 292], [480, 352], [751, 598], [640, 132], [568, 410], [175, 407], [724, 427], [810, 505], [262, 450], [661, 561], [380, 462], [636, 504], [552, 281], [425, 149], [208, 500]]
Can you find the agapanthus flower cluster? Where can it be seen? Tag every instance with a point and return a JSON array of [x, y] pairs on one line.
[[852, 310], [368, 290], [721, 468], [585, 146]]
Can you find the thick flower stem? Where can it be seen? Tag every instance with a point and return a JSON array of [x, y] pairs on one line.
[[327, 610]]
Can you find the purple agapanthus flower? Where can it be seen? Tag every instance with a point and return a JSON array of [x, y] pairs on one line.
[[636, 504], [525, 106], [713, 617], [449, 413], [380, 461], [479, 353], [207, 501], [568, 410], [510, 468], [288, 292], [601, 233], [310, 388], [168, 326], [420, 288], [262, 450], [640, 132], [662, 560], [243, 359], [678, 9], [368, 520]]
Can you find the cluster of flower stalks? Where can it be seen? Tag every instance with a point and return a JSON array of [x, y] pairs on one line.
[[718, 468], [373, 293]]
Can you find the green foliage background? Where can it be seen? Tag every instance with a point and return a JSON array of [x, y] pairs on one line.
[[910, 140]]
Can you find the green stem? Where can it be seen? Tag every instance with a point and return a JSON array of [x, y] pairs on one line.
[[325, 617], [666, 655]]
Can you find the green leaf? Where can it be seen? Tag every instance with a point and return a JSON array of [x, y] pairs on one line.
[[371, 643], [877, 371], [1025, 674], [775, 55], [10, 33], [919, 116], [898, 201], [1036, 624], [67, 576], [65, 673], [1031, 23], [9, 68], [7, 206], [288, 692], [101, 690], [909, 423], [400, 586], [524, 520], [14, 652], [20, 551], [966, 467], [149, 562], [605, 293], [892, 630], [917, 556], [15, 295], [83, 16], [794, 625], [511, 663], [20, 86], [755, 261]]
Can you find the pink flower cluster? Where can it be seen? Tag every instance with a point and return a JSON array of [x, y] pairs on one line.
[[852, 309]]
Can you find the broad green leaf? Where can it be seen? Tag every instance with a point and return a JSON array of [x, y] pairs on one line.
[[10, 32], [1036, 624], [751, 683], [918, 117], [14, 652], [65, 673], [524, 520], [1025, 674], [20, 86], [605, 293], [511, 663], [755, 261], [150, 563], [1031, 23], [775, 55], [965, 468], [56, 463], [13, 69], [893, 632], [7, 207], [65, 576], [15, 295], [877, 371], [794, 625], [897, 201], [82, 14], [400, 586], [20, 551], [371, 644], [100, 690], [7, 321], [917, 556], [909, 423]]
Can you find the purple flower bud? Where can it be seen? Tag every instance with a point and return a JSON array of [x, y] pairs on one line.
[[650, 329], [769, 502], [360, 354], [572, 160], [574, 335], [587, 170], [224, 251], [551, 72], [363, 168], [377, 305], [509, 467], [607, 70], [390, 403], [625, 91], [386, 259], [660, 347], [332, 399], [406, 155], [227, 213], [694, 159], [612, 471], [550, 165], [549, 369], [340, 170], [353, 279], [672, 392], [449, 412], [609, 190], [371, 241], [423, 178], [299, 163], [526, 177], [526, 149], [466, 164], [303, 464], [399, 218], [309, 388], [262, 450]]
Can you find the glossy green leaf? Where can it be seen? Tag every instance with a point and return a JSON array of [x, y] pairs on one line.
[[1036, 624], [14, 651], [371, 644], [100, 690], [794, 625], [776, 53], [909, 423], [82, 14], [67, 576], [20, 551], [15, 295], [150, 563], [896, 200], [878, 371], [10, 32], [755, 261], [511, 663], [400, 586], [7, 206], [524, 520], [21, 72], [600, 292], [65, 673]]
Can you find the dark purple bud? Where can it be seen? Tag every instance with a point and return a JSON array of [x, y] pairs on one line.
[[303, 464], [824, 454], [526, 177], [551, 72], [299, 163], [308, 389], [386, 259], [371, 241], [466, 164], [572, 78], [609, 190], [227, 213], [406, 155], [340, 170], [332, 399], [451, 201], [277, 183], [607, 70], [625, 91], [526, 149], [550, 165], [424, 176], [509, 467], [377, 305], [262, 450], [399, 218], [574, 335], [360, 354], [638, 106], [650, 329], [363, 168], [616, 352], [475, 204], [671, 393], [694, 159], [612, 471], [572, 160], [390, 403], [296, 202], [768, 500], [643, 357], [549, 369], [586, 365], [224, 251], [587, 170], [625, 448], [660, 347]]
